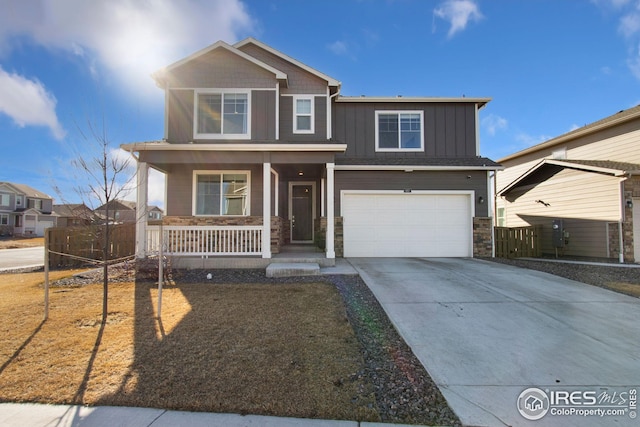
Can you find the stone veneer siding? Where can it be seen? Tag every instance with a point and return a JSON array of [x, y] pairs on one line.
[[631, 188], [320, 225], [482, 237]]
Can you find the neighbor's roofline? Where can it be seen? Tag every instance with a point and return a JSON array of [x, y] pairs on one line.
[[616, 172], [584, 131], [158, 76], [250, 40], [480, 101]]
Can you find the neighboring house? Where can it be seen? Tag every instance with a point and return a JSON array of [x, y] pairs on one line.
[[154, 213], [24, 210], [589, 178], [121, 211], [260, 147], [73, 214]]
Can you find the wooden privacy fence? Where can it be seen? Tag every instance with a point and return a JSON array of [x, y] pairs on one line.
[[87, 242], [517, 242]]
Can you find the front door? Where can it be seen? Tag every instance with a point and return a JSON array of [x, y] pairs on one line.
[[301, 212]]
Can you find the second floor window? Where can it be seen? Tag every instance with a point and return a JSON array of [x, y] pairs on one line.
[[303, 114], [4, 200], [222, 115], [399, 131], [34, 203]]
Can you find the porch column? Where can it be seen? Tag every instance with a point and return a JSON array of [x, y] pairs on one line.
[[142, 178], [266, 210], [330, 238]]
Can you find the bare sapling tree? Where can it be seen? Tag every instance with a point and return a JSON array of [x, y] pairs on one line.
[[107, 178]]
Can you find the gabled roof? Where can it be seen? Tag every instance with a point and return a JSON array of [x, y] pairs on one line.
[[69, 209], [26, 190], [250, 40], [549, 167], [160, 75], [608, 122], [118, 205]]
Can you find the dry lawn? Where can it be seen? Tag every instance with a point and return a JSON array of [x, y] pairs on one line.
[[20, 242], [283, 350]]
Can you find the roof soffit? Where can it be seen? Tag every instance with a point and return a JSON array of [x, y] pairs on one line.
[[547, 168]]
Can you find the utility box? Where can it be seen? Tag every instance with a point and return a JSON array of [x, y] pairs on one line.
[[557, 233]]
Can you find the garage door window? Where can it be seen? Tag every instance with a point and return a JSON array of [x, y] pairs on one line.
[[399, 131]]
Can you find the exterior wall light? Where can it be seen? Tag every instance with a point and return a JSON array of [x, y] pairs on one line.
[[481, 200], [629, 203]]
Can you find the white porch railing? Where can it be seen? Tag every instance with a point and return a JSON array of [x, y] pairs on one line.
[[205, 240]]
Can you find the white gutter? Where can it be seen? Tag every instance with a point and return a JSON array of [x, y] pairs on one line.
[[411, 168], [164, 146]]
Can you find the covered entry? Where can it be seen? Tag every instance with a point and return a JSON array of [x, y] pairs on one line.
[[399, 224]]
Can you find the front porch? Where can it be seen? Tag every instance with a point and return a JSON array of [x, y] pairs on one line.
[[197, 243], [225, 205]]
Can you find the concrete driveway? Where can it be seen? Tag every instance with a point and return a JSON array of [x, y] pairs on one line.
[[486, 332], [21, 258]]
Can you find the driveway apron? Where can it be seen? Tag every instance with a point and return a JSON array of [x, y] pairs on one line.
[[485, 332]]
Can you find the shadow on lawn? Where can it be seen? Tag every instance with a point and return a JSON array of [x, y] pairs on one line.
[[210, 361], [19, 350]]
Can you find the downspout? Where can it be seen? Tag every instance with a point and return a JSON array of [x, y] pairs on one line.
[[329, 115], [620, 223]]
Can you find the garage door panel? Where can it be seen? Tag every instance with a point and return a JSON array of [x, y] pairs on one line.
[[407, 225]]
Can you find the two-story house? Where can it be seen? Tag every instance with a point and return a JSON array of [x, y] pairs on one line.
[[585, 182], [123, 211], [262, 151], [24, 210]]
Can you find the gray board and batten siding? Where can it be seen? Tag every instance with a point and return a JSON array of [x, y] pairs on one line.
[[417, 180], [181, 111], [449, 128]]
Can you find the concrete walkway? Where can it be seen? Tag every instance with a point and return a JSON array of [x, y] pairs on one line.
[[486, 332], [34, 415]]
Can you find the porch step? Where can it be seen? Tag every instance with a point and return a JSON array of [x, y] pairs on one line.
[[293, 269]]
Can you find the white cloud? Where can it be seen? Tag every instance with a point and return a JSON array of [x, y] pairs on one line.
[[527, 140], [28, 103], [338, 47], [458, 13], [493, 123], [129, 38], [630, 24]]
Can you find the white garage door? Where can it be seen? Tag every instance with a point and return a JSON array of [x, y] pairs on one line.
[[407, 225]]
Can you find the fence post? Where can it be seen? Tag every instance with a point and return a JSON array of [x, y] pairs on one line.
[[47, 239]]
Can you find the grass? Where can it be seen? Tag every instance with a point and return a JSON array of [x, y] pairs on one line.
[[21, 242], [284, 350]]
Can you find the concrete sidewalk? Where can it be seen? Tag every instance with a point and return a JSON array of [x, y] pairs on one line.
[[35, 415]]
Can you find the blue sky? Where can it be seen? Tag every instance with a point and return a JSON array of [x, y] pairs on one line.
[[67, 65]]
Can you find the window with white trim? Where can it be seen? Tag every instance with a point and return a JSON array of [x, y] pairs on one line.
[[4, 200], [399, 131], [219, 193], [34, 203], [222, 115], [4, 219], [303, 119]]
